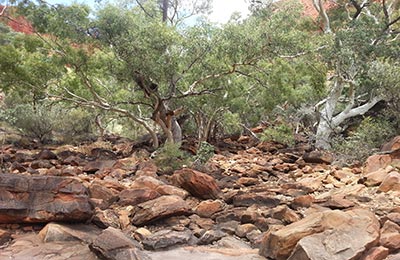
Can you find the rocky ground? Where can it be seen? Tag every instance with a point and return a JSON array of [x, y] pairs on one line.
[[251, 201]]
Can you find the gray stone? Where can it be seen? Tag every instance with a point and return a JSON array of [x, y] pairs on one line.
[[112, 244], [167, 238]]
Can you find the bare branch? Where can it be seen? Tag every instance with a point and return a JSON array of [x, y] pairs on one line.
[[215, 76], [3, 11], [144, 9], [302, 53], [318, 5]]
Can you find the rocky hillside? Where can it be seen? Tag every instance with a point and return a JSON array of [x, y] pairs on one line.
[[251, 201]]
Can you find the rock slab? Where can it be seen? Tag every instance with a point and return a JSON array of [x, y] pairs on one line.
[[198, 184], [42, 199], [326, 235], [112, 244], [159, 208]]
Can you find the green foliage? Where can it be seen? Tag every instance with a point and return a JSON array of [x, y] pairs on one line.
[[282, 133], [37, 123], [230, 123], [364, 141], [73, 125], [170, 158], [204, 153], [227, 76]]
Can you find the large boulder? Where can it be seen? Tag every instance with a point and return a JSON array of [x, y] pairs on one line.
[[322, 157], [55, 232], [159, 208], [331, 234], [391, 182], [30, 199], [158, 186], [112, 244], [167, 238], [137, 196], [198, 184]]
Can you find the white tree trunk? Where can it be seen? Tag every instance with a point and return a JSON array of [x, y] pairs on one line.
[[324, 133], [328, 123]]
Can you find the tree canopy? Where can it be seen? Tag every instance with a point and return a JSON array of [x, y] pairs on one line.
[[140, 61]]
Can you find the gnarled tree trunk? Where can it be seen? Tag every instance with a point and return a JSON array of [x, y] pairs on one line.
[[329, 122]]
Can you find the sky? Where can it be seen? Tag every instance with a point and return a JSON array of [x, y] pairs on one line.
[[221, 12]]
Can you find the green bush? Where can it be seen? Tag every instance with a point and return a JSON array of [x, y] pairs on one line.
[[37, 123], [47, 122], [73, 125], [204, 153], [364, 141], [170, 158], [281, 133]]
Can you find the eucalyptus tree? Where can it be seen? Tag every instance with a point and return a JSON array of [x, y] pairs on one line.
[[362, 55], [128, 59]]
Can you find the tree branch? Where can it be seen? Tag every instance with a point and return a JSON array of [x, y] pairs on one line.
[[144, 9], [360, 110], [318, 5]]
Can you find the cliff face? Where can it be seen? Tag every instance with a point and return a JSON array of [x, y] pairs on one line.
[[18, 24]]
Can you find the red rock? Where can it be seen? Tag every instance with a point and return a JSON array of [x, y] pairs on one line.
[[26, 199], [73, 161], [112, 244], [303, 201], [338, 202], [209, 207], [310, 183], [392, 145], [285, 214], [147, 168], [263, 198], [376, 162], [159, 208], [393, 257], [198, 184], [243, 230], [46, 155], [166, 238], [106, 218], [376, 253], [390, 236], [391, 182], [99, 191], [94, 166], [158, 186], [375, 178], [318, 157], [137, 196], [16, 166], [71, 171], [56, 232], [248, 181], [41, 164], [5, 236], [335, 226], [394, 217]]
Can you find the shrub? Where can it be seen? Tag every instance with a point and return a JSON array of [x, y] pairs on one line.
[[46, 120], [170, 158], [364, 141], [35, 123], [204, 153], [282, 133], [74, 124]]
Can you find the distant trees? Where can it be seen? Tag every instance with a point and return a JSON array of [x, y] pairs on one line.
[[361, 55], [139, 61]]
